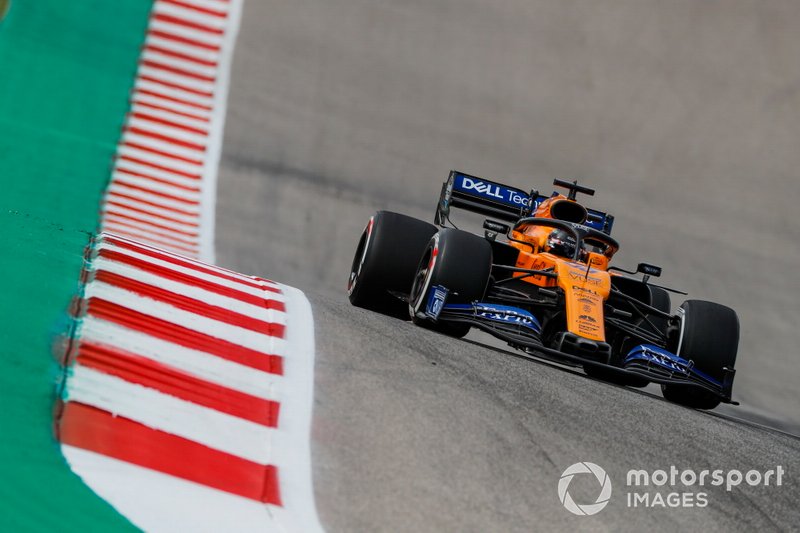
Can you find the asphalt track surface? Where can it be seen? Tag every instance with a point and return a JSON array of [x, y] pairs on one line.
[[683, 115]]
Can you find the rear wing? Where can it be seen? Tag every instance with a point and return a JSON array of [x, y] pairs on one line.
[[499, 201]]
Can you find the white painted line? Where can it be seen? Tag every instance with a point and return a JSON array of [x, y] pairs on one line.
[[191, 291], [169, 118], [188, 33], [199, 364], [259, 342], [215, 5], [214, 153], [292, 441], [191, 219], [113, 217], [181, 82], [169, 414], [172, 132], [190, 15], [181, 183], [197, 52], [145, 232], [158, 60], [188, 158], [157, 502], [167, 110], [170, 115], [173, 92], [179, 63], [168, 162], [181, 229], [117, 188], [243, 286], [161, 74]]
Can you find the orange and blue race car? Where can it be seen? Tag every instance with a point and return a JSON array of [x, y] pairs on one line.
[[540, 279]]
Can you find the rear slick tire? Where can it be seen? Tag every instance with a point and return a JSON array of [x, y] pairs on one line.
[[385, 261]]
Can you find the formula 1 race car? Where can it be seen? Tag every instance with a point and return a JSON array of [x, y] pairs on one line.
[[539, 279]]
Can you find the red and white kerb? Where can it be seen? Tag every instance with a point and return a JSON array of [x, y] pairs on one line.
[[164, 178], [176, 387], [187, 398]]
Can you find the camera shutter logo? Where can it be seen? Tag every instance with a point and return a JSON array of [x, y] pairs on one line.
[[602, 498]]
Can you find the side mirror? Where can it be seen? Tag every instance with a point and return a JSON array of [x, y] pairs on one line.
[[649, 270], [494, 228]]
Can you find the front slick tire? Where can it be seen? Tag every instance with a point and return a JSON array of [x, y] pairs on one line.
[[459, 261], [385, 260], [710, 339]]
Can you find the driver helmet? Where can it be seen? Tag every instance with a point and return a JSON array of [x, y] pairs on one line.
[[561, 242]]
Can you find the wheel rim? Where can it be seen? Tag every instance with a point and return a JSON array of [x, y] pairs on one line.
[[423, 277]]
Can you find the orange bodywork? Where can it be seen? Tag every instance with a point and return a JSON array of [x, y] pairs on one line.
[[586, 285]]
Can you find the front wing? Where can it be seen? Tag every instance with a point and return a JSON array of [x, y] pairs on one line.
[[522, 330]]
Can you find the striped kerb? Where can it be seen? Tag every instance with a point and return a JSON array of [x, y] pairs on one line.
[[177, 369], [187, 395], [165, 172]]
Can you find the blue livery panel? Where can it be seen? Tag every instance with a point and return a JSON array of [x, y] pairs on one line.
[[490, 191], [436, 303], [647, 354]]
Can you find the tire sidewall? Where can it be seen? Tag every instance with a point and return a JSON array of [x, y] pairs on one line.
[[385, 261], [355, 281]]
